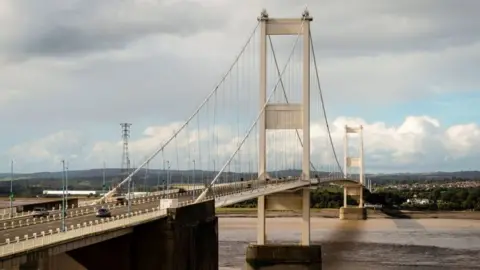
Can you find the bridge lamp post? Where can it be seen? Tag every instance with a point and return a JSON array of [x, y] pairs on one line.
[[66, 186], [213, 176], [193, 181], [145, 179], [63, 195], [11, 189], [103, 180], [129, 196], [166, 176], [158, 181], [214, 173], [169, 183]]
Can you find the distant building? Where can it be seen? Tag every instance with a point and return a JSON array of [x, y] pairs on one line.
[[58, 193], [418, 201], [374, 206]]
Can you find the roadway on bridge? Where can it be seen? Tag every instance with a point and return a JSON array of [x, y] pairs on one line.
[[53, 225], [74, 220], [70, 212], [87, 211]]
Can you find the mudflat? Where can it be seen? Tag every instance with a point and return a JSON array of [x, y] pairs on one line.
[[293, 223], [372, 214]]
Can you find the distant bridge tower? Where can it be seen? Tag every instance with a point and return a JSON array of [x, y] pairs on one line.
[[275, 117], [353, 162], [354, 190]]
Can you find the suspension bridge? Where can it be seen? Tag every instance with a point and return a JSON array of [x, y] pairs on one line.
[[246, 140]]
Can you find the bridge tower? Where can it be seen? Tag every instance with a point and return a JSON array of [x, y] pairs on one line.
[[355, 190], [275, 117], [354, 162]]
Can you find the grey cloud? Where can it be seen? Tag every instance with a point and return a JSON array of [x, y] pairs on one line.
[[50, 28], [110, 93], [351, 28]]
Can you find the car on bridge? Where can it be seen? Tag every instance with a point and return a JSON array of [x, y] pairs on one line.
[[103, 212], [120, 200], [40, 212]]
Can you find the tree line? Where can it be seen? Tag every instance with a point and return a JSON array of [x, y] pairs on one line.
[[438, 199], [322, 197]]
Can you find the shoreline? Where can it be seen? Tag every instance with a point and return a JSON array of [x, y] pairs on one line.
[[371, 214]]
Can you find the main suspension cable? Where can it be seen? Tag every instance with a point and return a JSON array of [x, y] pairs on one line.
[[111, 192], [323, 103]]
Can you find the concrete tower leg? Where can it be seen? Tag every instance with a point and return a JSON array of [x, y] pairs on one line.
[[262, 142], [261, 230], [306, 217]]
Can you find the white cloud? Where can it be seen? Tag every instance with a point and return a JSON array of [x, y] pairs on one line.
[[420, 143], [47, 153]]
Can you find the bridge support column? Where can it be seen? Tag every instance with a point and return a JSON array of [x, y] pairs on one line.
[[261, 221], [306, 217]]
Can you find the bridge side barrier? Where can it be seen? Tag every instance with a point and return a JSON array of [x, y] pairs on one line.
[[28, 242], [254, 193], [220, 188], [74, 212], [53, 236], [81, 204]]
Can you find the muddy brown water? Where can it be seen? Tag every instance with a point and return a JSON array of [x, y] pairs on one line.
[[370, 244]]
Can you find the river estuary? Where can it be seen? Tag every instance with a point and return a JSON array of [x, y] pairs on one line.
[[370, 244]]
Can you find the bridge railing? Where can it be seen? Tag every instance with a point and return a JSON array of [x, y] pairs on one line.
[[76, 212], [26, 220], [5, 217], [264, 190], [81, 230], [36, 240]]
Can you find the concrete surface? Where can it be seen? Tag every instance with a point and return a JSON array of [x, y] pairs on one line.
[[352, 213], [280, 257]]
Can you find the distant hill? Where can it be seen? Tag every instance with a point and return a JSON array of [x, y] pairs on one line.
[[115, 172], [33, 184], [58, 175], [427, 175]]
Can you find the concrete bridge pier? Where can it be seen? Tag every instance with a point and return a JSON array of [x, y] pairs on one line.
[[280, 257], [353, 212], [263, 256]]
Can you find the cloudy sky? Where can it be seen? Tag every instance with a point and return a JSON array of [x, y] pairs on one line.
[[72, 70]]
